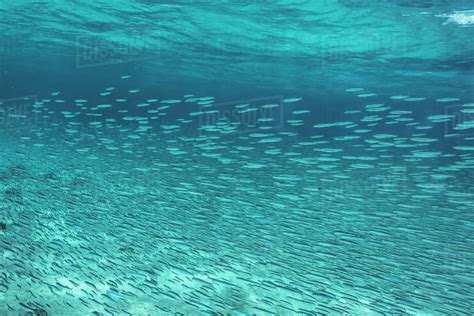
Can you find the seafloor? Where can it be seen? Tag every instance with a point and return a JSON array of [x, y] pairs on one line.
[[164, 226]]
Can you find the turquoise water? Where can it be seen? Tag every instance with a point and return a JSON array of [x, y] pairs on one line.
[[237, 157]]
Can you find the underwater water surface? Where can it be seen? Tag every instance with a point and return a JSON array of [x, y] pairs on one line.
[[239, 157]]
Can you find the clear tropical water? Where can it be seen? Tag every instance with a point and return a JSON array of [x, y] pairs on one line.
[[238, 157]]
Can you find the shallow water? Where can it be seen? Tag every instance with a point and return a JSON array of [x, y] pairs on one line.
[[242, 157]]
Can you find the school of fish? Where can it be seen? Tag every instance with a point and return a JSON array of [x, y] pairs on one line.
[[123, 207]]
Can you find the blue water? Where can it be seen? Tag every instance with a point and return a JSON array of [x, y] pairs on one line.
[[237, 157]]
